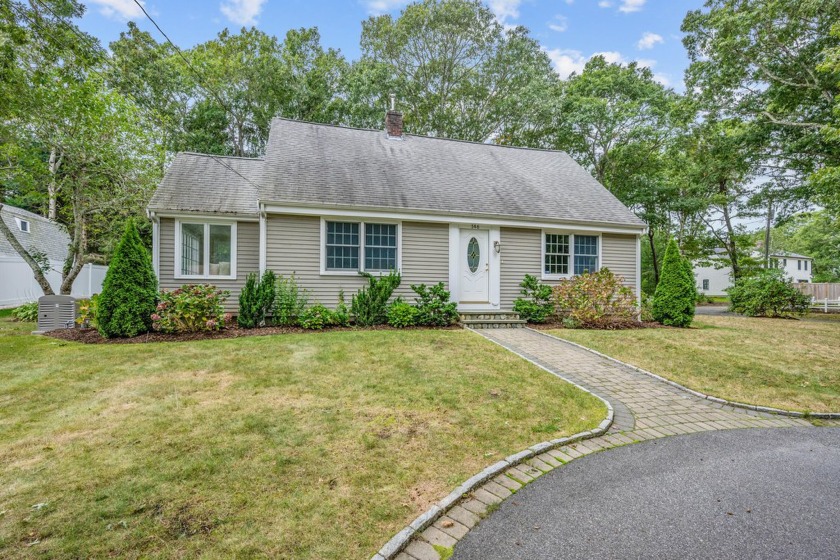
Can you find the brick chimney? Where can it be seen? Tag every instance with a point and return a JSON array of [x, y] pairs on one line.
[[393, 121]]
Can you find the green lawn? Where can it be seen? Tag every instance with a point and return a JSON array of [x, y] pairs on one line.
[[292, 446], [772, 362]]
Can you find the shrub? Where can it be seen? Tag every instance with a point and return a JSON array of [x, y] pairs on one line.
[[673, 301], [87, 312], [256, 300], [402, 314], [191, 308], [433, 306], [594, 299], [646, 312], [289, 302], [342, 313], [370, 304], [317, 317], [129, 291], [28, 312], [535, 305], [767, 294]]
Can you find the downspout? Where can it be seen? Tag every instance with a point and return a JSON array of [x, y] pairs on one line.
[[155, 242], [263, 239], [639, 274]]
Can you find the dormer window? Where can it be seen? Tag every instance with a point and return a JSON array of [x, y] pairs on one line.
[[23, 225]]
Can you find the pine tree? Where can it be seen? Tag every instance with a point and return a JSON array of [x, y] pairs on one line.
[[129, 291], [675, 296]]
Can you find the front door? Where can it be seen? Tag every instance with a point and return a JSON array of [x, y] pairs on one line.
[[475, 266]]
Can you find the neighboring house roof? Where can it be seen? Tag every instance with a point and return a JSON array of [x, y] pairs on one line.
[[205, 183], [44, 235], [787, 255], [316, 164]]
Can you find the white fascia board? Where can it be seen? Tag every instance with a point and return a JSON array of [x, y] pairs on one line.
[[208, 216], [419, 216]]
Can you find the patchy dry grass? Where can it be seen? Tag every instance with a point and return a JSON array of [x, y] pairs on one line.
[[294, 446], [772, 362]]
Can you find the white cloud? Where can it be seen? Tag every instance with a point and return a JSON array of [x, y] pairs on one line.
[[378, 7], [242, 12], [505, 9], [119, 9], [662, 79], [605, 4], [566, 61], [559, 23], [649, 40], [628, 6]]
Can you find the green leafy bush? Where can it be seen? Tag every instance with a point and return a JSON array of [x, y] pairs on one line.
[[317, 317], [433, 306], [767, 294], [402, 314], [646, 312], [26, 313], [673, 301], [370, 304], [342, 313], [289, 302], [535, 305], [87, 312], [191, 308], [594, 299], [129, 291], [256, 300]]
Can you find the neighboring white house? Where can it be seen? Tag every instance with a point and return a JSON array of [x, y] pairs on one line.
[[713, 279], [38, 235]]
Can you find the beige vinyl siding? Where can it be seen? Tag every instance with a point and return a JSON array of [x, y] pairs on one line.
[[294, 246], [247, 260], [618, 253], [522, 254]]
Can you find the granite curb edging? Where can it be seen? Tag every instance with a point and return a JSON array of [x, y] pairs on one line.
[[711, 398], [400, 540]]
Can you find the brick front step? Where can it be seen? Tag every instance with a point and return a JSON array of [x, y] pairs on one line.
[[491, 319]]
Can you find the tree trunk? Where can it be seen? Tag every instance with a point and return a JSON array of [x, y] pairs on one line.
[[653, 255], [77, 257], [52, 187], [767, 234], [731, 247], [36, 268]]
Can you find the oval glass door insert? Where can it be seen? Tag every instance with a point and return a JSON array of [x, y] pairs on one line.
[[473, 254]]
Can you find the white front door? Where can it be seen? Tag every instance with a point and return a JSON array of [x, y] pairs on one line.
[[474, 280]]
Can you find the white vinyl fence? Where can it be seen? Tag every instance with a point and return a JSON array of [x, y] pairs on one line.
[[18, 285]]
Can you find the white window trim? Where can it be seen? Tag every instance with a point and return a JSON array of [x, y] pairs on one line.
[[20, 222], [206, 223], [571, 234], [361, 222]]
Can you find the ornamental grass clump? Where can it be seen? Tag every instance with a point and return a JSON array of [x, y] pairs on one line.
[[129, 291], [191, 308], [676, 294], [594, 300]]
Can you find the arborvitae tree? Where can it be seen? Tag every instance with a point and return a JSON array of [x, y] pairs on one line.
[[673, 302], [256, 300], [129, 292]]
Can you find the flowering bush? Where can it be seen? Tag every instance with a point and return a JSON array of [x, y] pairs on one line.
[[191, 308], [594, 299]]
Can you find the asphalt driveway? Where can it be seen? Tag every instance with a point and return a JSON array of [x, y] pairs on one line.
[[760, 493]]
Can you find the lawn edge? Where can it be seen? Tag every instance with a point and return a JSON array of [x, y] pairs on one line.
[[402, 539], [712, 398]]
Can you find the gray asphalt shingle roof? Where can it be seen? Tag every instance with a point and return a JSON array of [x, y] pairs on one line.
[[317, 164], [44, 235], [204, 183]]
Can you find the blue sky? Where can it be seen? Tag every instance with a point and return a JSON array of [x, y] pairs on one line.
[[570, 31]]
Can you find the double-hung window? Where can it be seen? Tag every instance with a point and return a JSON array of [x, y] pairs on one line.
[[360, 246], [565, 254], [205, 250]]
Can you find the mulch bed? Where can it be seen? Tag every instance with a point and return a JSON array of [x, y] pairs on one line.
[[92, 336]]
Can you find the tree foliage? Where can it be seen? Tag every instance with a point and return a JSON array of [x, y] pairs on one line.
[[674, 300]]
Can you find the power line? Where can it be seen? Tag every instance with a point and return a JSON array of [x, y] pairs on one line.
[[92, 42]]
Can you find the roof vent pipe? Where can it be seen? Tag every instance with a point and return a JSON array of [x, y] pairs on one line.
[[393, 120]]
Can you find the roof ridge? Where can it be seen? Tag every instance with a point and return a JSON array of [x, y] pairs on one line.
[[27, 213], [344, 127], [219, 156]]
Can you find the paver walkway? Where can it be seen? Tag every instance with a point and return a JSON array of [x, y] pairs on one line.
[[644, 407]]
